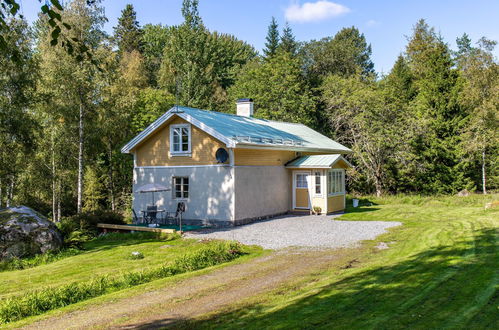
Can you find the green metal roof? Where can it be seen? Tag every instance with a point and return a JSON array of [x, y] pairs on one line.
[[239, 131], [316, 161]]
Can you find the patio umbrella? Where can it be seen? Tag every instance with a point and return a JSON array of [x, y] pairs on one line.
[[152, 188]]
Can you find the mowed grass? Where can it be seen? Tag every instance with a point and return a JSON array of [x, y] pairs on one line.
[[439, 272], [108, 256]]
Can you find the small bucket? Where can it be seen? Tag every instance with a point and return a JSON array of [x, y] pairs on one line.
[[355, 202]]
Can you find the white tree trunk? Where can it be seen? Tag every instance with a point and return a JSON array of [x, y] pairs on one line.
[[484, 179], [54, 196], [80, 160], [111, 179], [58, 200]]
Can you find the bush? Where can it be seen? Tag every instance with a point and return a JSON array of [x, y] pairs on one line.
[[49, 298], [86, 223]]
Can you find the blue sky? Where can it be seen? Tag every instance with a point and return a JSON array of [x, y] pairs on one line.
[[385, 23]]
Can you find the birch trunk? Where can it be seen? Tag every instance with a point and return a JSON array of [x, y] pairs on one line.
[[80, 159], [58, 200], [111, 178], [54, 196], [484, 179]]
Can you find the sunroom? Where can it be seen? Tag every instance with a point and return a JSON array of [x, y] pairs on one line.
[[318, 183]]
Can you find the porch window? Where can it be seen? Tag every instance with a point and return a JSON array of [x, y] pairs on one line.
[[180, 139], [335, 182], [318, 190], [180, 187]]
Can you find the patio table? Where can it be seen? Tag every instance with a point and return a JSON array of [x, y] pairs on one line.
[[147, 218]]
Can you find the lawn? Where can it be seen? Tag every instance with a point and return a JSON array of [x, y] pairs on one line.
[[440, 271], [102, 256]]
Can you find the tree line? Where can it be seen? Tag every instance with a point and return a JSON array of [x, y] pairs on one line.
[[428, 126]]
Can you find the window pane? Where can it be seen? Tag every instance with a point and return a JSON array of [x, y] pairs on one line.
[[178, 194], [185, 147], [186, 194]]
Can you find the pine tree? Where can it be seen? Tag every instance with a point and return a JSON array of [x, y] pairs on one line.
[[288, 42], [128, 34], [272, 43]]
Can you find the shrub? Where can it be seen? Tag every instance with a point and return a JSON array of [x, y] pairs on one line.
[[49, 298], [86, 222]]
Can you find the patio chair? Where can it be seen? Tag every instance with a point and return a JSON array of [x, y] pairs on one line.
[[151, 213], [136, 219]]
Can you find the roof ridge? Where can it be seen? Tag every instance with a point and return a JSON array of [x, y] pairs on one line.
[[235, 115]]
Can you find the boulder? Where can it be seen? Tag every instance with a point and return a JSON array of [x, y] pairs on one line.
[[25, 232], [463, 193]]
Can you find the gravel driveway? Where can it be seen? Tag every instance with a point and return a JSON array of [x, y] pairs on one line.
[[299, 230]]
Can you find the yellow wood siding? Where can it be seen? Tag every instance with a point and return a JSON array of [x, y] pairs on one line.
[[341, 164], [259, 157], [335, 203], [155, 151], [301, 196], [318, 201]]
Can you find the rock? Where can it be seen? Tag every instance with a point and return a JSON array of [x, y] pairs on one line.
[[25, 232], [463, 193]]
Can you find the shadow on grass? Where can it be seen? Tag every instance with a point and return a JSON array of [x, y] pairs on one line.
[[448, 286], [360, 209]]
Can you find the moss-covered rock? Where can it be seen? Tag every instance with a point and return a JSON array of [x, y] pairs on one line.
[[25, 232]]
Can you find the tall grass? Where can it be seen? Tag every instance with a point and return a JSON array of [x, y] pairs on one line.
[[473, 200], [40, 301]]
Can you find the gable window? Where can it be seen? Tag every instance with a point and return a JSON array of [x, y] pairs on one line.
[[335, 182], [180, 187], [180, 139], [318, 190]]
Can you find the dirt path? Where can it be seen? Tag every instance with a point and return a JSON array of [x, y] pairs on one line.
[[197, 295]]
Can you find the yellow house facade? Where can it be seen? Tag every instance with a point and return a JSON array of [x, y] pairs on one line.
[[234, 169]]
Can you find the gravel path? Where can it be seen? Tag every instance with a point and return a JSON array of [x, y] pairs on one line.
[[304, 231]]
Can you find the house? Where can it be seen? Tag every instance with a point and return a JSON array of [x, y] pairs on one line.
[[233, 169]]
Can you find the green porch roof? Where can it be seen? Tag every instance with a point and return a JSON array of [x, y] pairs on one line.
[[316, 161]]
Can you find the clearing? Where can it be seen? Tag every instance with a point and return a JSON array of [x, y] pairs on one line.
[[437, 270]]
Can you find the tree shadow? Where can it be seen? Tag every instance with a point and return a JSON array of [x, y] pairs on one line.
[[361, 209], [445, 286]]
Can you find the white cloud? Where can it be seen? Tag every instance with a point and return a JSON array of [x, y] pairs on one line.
[[314, 11], [372, 23]]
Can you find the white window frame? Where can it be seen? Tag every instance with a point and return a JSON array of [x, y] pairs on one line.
[[189, 140], [174, 188], [319, 183], [334, 174]]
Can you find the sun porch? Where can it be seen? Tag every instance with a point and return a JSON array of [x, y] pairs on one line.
[[318, 183]]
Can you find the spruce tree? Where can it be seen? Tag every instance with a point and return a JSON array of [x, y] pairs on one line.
[[272, 38], [128, 34], [288, 42], [436, 112]]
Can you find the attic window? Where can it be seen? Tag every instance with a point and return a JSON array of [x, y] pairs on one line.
[[180, 139]]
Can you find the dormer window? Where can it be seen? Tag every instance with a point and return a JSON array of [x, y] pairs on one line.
[[180, 139]]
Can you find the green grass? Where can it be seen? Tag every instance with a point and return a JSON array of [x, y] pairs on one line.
[[440, 272], [102, 256], [49, 298]]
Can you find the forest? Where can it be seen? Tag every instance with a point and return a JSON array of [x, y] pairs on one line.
[[428, 126]]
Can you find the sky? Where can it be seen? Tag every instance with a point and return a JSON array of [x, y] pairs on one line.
[[386, 24]]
